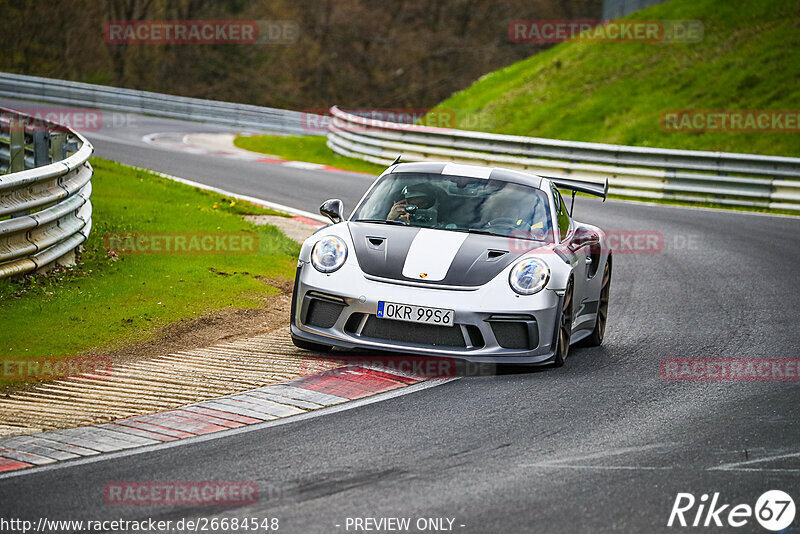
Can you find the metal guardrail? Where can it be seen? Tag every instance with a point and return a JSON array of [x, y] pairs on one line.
[[654, 173], [145, 102], [45, 185]]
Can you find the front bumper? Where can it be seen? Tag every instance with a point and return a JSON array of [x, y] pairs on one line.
[[492, 323]]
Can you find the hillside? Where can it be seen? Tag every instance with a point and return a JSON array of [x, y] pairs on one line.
[[356, 53], [748, 59]]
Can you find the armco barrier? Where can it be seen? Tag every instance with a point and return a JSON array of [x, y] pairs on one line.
[[657, 173], [45, 185], [145, 102]]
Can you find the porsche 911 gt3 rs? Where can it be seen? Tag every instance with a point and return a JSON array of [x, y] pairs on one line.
[[441, 259]]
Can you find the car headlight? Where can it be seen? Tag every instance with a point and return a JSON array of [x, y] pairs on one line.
[[529, 276], [328, 254]]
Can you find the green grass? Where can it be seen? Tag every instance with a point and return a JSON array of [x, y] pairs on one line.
[[749, 59], [105, 304], [309, 148]]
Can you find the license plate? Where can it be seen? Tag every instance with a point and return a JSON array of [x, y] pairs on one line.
[[415, 314]]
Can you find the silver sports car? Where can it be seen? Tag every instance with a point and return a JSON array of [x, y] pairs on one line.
[[442, 259]]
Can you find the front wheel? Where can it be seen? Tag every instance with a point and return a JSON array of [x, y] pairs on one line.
[[564, 328], [595, 339]]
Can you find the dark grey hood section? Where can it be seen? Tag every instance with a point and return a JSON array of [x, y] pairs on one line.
[[381, 251]]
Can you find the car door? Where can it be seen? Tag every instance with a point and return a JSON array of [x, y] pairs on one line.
[[575, 255]]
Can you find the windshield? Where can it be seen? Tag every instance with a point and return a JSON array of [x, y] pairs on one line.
[[458, 203]]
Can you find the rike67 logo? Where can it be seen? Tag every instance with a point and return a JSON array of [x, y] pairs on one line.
[[774, 510]]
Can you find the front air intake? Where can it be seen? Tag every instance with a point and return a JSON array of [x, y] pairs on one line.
[[322, 311], [515, 331]]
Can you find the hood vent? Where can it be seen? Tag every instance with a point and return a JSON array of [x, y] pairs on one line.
[[375, 242], [494, 255]]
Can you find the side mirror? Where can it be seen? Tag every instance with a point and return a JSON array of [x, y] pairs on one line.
[[582, 238], [332, 209]]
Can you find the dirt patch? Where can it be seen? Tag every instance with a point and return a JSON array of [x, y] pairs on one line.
[[222, 325], [230, 324]]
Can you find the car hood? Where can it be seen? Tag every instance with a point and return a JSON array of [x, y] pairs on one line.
[[432, 256]]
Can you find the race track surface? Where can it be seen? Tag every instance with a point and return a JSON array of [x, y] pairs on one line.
[[603, 444]]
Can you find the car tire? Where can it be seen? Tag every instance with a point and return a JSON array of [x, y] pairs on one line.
[[595, 339], [564, 328], [308, 345]]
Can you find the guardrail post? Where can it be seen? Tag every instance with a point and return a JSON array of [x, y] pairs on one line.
[[57, 141], [16, 152], [69, 148], [41, 148], [16, 134]]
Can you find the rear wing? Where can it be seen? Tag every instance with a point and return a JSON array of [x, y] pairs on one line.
[[598, 190]]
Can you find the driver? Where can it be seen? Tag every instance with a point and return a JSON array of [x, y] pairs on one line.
[[508, 213], [418, 204]]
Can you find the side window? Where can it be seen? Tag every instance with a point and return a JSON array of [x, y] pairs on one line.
[[563, 216]]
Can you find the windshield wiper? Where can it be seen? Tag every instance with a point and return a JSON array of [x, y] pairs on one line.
[[488, 232], [381, 221], [482, 232]]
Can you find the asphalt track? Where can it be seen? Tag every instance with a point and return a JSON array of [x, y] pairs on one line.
[[603, 444]]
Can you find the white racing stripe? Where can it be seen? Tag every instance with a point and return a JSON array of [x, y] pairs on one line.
[[473, 171], [431, 253]]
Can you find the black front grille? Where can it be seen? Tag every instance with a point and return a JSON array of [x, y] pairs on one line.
[[424, 334], [322, 313]]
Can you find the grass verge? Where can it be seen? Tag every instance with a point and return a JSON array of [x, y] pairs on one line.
[[308, 148], [107, 303]]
